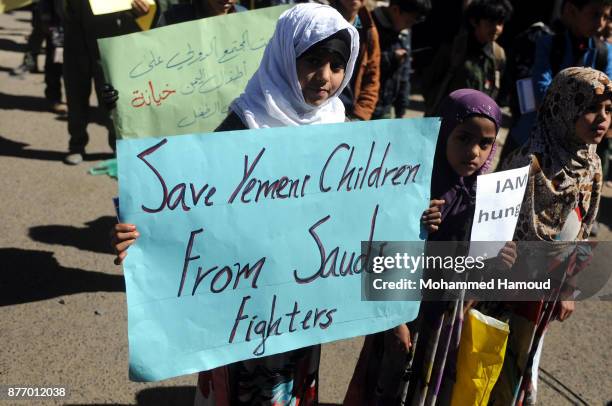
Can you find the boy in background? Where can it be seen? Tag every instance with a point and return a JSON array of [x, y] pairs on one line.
[[82, 64], [574, 41], [474, 60], [361, 95], [46, 26], [390, 21]]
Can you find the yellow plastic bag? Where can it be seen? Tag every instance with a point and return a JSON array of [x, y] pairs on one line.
[[480, 358]]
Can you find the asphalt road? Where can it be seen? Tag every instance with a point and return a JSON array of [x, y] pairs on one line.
[[62, 302]]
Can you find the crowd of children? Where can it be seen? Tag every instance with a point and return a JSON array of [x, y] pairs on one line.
[[456, 51], [302, 80], [356, 65]]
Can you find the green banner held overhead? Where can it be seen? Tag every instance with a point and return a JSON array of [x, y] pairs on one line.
[[181, 79]]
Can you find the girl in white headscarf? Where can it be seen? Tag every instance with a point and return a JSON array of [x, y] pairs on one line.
[[306, 65]]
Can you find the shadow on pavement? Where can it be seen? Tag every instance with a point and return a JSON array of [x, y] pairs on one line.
[[20, 150], [29, 276], [163, 396], [179, 395], [5, 69], [94, 237], [96, 114], [561, 389], [418, 105], [15, 32], [26, 103], [11, 46]]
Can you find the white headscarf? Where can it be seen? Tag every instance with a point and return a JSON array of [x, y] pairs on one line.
[[273, 97]]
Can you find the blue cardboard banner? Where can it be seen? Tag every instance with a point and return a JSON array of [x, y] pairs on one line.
[[251, 240]]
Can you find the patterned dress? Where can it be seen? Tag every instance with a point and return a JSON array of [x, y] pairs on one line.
[[386, 376], [561, 204]]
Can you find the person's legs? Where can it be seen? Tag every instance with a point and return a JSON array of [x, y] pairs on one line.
[[99, 80], [53, 74], [77, 78], [34, 44], [37, 36]]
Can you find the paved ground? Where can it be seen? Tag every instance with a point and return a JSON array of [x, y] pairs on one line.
[[62, 302]]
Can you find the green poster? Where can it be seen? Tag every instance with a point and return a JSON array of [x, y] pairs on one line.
[[181, 79]]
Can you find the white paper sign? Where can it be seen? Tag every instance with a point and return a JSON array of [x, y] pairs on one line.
[[498, 204], [112, 6]]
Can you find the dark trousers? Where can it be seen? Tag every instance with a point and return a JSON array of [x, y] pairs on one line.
[[37, 36], [81, 65], [53, 74]]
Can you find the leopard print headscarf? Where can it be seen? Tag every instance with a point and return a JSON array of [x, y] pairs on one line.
[[565, 172]]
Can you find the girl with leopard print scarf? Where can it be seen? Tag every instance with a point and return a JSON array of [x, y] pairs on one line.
[[560, 204]]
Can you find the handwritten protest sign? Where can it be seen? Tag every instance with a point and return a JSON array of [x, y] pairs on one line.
[[8, 5], [251, 240], [181, 79], [498, 204]]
